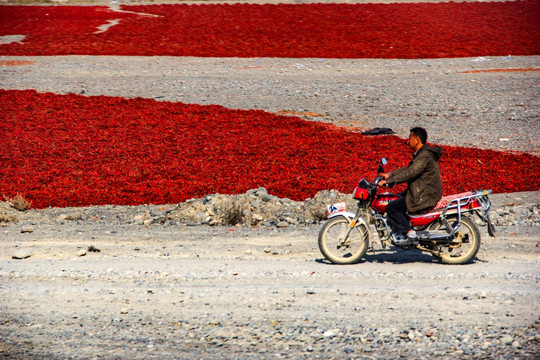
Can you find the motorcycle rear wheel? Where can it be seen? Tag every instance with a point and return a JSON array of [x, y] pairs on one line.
[[333, 232], [464, 247]]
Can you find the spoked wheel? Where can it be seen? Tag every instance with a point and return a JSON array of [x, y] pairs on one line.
[[338, 249], [465, 245]]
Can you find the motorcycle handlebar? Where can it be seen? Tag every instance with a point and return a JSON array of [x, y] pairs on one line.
[[376, 181]]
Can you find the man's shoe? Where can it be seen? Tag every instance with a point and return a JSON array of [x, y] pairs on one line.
[[402, 240], [412, 235]]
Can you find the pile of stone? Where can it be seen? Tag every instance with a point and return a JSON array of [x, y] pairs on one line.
[[517, 215], [254, 208]]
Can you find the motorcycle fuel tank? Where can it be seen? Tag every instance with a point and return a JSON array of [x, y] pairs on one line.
[[381, 201]]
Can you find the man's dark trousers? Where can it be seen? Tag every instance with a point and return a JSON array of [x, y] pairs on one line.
[[397, 215]]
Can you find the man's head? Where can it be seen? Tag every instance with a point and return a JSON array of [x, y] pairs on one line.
[[417, 138]]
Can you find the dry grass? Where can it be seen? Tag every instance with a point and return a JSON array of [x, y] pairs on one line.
[[319, 214], [18, 202], [5, 218], [232, 213]]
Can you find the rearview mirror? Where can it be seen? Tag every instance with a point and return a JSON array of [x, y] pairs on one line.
[[381, 168]]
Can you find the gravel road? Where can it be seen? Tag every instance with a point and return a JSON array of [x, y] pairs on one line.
[[182, 292], [172, 291]]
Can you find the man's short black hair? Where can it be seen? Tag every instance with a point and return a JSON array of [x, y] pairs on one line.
[[421, 133]]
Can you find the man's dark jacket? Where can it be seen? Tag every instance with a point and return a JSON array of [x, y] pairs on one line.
[[423, 177]]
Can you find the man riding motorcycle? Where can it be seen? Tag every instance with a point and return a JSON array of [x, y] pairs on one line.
[[424, 188]]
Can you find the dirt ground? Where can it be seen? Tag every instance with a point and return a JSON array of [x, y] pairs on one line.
[[106, 288], [175, 292]]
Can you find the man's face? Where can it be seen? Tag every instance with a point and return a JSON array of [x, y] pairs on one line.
[[413, 141]]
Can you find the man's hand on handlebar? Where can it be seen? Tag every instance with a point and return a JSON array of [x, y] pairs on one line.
[[383, 182]]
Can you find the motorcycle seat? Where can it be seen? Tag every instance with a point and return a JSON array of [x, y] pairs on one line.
[[443, 203]]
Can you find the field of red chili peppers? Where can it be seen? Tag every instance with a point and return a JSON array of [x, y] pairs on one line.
[[417, 30], [72, 150]]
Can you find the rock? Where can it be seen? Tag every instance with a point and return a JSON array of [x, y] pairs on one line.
[[81, 252], [486, 345], [330, 333], [21, 254], [507, 339], [71, 216], [92, 248], [291, 220], [27, 229]]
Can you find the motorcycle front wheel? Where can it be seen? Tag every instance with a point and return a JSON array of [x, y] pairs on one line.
[[336, 248], [465, 245]]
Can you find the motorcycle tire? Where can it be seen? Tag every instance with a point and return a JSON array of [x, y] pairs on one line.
[[331, 234], [465, 245]]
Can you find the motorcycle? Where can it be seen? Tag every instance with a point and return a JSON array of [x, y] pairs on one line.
[[445, 231]]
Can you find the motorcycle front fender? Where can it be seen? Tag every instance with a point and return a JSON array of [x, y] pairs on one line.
[[350, 216], [346, 214]]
